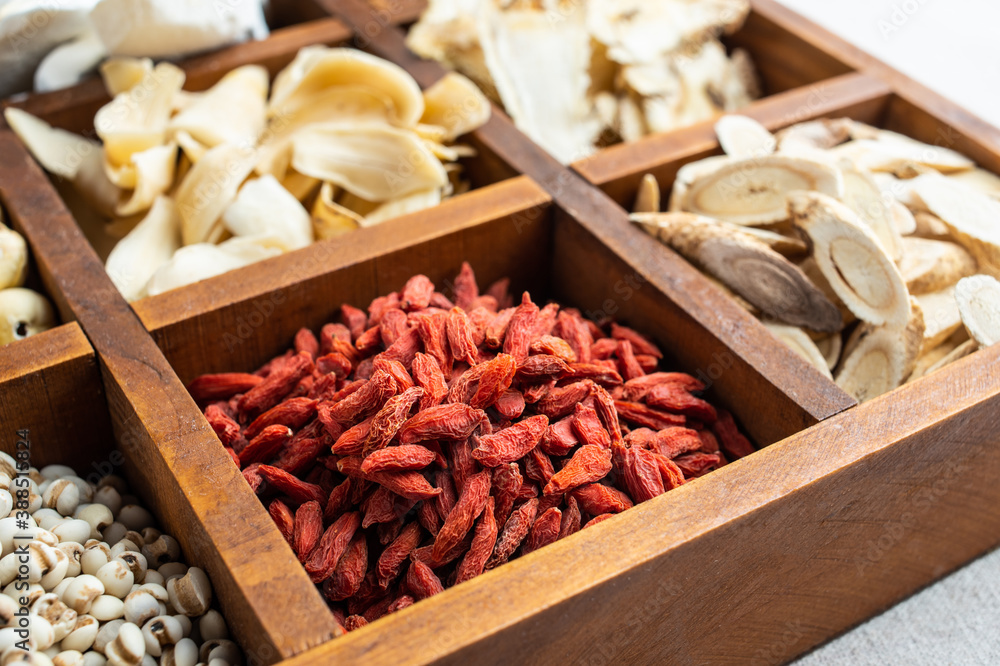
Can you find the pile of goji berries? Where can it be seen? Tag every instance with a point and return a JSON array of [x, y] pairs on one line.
[[415, 446]]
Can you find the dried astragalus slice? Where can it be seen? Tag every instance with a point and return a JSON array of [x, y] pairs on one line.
[[979, 303]]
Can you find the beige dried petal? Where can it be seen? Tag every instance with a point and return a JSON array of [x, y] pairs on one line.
[[329, 218], [231, 111], [455, 104], [402, 206], [58, 151], [201, 261], [122, 73], [208, 189], [371, 160], [317, 69], [264, 208], [136, 120], [150, 245], [154, 174]]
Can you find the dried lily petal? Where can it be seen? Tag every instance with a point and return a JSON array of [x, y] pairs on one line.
[[371, 160], [263, 207], [329, 218], [122, 73], [59, 152], [455, 104], [154, 174], [231, 111], [201, 261], [145, 249], [208, 189]]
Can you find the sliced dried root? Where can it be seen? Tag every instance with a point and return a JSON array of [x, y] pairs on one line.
[[852, 259], [821, 134], [961, 351], [830, 347], [744, 138], [690, 172], [880, 358], [979, 304], [747, 266], [980, 180], [864, 197], [648, 198], [971, 217], [941, 317], [902, 219], [799, 342], [928, 225], [931, 265], [754, 191]]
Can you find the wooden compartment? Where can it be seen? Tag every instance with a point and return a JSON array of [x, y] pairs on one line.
[[845, 511]]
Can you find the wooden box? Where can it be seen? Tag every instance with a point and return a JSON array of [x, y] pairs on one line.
[[846, 510]]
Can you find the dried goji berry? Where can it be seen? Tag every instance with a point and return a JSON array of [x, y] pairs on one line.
[[452, 421], [482, 545], [355, 320], [411, 485], [636, 389], [252, 476], [354, 622], [352, 442], [598, 519], [305, 341], [496, 330], [308, 529], [459, 521], [331, 547], [392, 326], [733, 443], [379, 507], [389, 419], [544, 531], [395, 369], [460, 340], [444, 502], [538, 467], [561, 400], [709, 443], [282, 517], [417, 293], [545, 321], [553, 346], [293, 413], [466, 289], [674, 441], [694, 465], [222, 386], [433, 332], [603, 348], [640, 343], [404, 348], [519, 331], [507, 482], [366, 400], [428, 517], [392, 558], [275, 386], [571, 518], [299, 491], [338, 501], [265, 445], [495, 380], [514, 531], [498, 290], [536, 392], [401, 602], [670, 473], [421, 581], [301, 451], [350, 571], [570, 327], [628, 365], [462, 465], [596, 498], [427, 375], [639, 471], [510, 404], [334, 363], [381, 305], [224, 426], [588, 427], [643, 415], [511, 443], [589, 463], [673, 397], [542, 367], [369, 342], [559, 439], [401, 458]]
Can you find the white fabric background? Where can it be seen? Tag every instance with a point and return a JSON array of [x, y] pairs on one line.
[[953, 47]]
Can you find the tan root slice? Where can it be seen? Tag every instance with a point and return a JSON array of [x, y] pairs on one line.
[[648, 198], [979, 304], [967, 348], [740, 301], [931, 358], [863, 196], [786, 245], [931, 265], [743, 138], [941, 317], [880, 358], [690, 172], [747, 266], [755, 191], [902, 219], [980, 180], [821, 134], [830, 347], [455, 104], [930, 226], [852, 259], [971, 217], [815, 275], [799, 342], [895, 153]]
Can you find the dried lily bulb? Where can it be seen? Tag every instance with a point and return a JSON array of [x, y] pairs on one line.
[[60, 152], [147, 247], [455, 104], [122, 73], [329, 218], [231, 111], [201, 261], [154, 174], [264, 208], [208, 189]]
